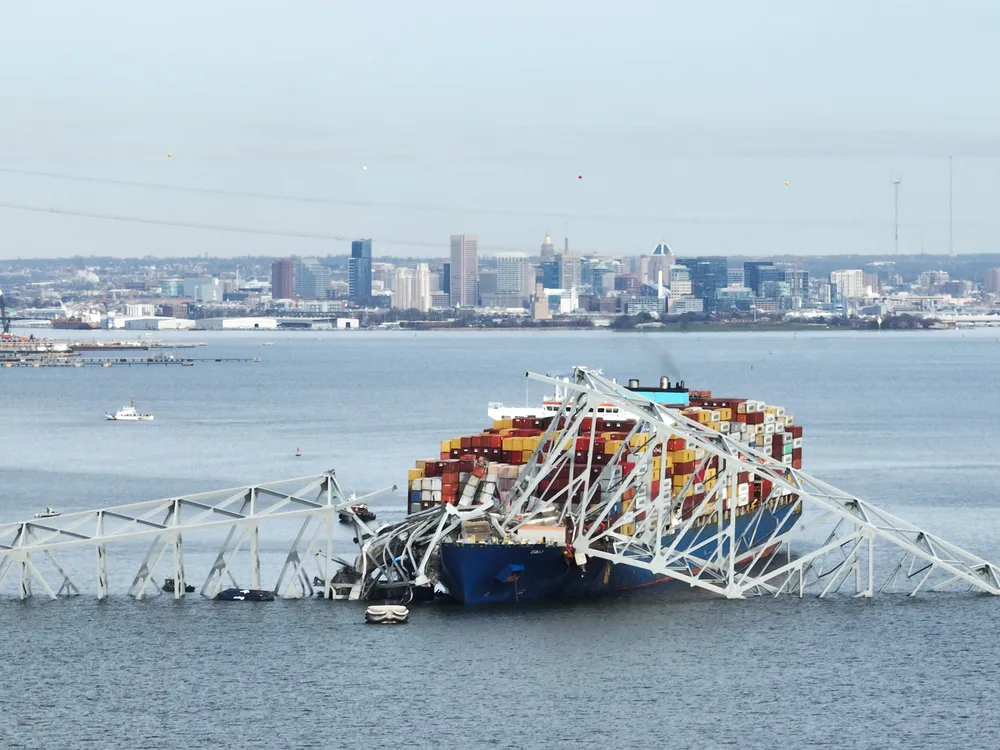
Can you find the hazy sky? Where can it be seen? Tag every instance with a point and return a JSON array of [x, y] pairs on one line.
[[685, 120]]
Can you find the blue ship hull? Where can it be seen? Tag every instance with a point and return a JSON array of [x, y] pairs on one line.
[[480, 573]]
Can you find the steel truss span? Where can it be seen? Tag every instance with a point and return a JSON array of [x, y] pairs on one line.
[[840, 543], [31, 552]]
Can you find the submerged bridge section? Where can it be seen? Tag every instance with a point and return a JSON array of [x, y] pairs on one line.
[[819, 540], [33, 552]]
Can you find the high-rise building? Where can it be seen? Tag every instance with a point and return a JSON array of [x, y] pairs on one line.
[[848, 284], [510, 273], [680, 281], [662, 260], [708, 275], [548, 249], [464, 286], [359, 271], [282, 279], [991, 280], [751, 274], [312, 279], [552, 274], [446, 278], [412, 289], [487, 284], [570, 271]]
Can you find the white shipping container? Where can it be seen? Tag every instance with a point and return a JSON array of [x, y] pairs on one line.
[[436, 495], [769, 429], [768, 418], [797, 443]]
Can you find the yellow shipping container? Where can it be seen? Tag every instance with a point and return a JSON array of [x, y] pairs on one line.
[[421, 463], [682, 456], [456, 444], [717, 426], [446, 446], [414, 474], [725, 414], [704, 417]]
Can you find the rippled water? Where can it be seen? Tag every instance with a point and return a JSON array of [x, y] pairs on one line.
[[908, 420]]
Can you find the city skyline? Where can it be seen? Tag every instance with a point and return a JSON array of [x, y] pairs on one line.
[[762, 138]]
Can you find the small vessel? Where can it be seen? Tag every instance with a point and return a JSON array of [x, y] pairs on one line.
[[47, 513], [360, 510], [387, 614], [169, 585], [245, 595], [128, 413], [298, 453]]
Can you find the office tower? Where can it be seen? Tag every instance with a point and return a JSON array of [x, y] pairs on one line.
[[359, 279], [464, 270]]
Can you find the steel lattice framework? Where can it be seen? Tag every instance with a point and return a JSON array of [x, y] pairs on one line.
[[647, 536], [32, 549], [840, 537]]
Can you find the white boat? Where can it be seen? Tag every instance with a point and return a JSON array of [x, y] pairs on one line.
[[128, 414], [47, 513], [387, 614]]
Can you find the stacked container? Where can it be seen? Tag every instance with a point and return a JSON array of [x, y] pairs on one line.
[[476, 467]]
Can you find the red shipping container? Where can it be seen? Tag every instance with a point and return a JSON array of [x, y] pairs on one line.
[[796, 454], [796, 463], [756, 417], [675, 444]]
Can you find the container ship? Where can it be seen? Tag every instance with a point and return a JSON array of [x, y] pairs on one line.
[[523, 548]]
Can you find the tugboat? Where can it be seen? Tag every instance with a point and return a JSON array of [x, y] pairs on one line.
[[169, 585], [245, 595], [360, 510], [128, 414]]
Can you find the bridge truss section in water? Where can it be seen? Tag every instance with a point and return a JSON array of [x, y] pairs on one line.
[[33, 552], [824, 540]]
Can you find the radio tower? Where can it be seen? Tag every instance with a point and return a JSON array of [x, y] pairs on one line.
[[951, 250], [895, 188]]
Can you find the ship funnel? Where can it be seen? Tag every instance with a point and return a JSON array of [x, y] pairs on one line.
[[664, 382], [633, 382]]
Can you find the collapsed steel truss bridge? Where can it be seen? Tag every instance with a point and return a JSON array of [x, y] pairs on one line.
[[839, 541]]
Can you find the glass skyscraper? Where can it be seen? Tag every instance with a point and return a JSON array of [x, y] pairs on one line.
[[359, 279]]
